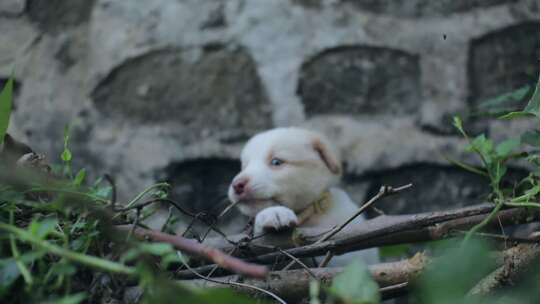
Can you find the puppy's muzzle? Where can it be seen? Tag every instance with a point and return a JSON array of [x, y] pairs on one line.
[[239, 186]]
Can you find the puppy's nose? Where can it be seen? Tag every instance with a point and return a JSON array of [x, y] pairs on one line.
[[239, 186]]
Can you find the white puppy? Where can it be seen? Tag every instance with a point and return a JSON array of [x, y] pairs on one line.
[[287, 179]]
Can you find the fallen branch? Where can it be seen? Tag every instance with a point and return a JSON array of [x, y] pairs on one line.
[[399, 234], [293, 285], [381, 231], [380, 226], [393, 278], [190, 246], [516, 261]]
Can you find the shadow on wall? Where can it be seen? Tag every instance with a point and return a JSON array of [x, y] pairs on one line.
[[55, 15], [504, 60], [200, 186], [421, 8], [189, 89], [435, 188], [356, 80]]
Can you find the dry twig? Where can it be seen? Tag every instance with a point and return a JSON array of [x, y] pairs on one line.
[[236, 284], [292, 257], [383, 191], [381, 231], [193, 247], [394, 291]]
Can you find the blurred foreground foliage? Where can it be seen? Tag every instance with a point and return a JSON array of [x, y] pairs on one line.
[[57, 244]]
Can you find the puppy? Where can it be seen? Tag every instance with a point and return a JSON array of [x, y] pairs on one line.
[[288, 179]]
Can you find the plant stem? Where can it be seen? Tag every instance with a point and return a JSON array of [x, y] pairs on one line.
[[66, 191], [524, 204], [480, 225], [87, 260], [22, 267], [145, 191]]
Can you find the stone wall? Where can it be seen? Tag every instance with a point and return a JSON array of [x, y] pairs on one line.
[[167, 89]]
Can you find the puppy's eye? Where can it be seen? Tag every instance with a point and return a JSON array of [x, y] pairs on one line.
[[276, 162]]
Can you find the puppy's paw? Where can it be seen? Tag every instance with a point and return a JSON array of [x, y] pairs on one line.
[[275, 218]]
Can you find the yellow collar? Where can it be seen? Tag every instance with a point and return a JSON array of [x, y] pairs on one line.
[[320, 205]]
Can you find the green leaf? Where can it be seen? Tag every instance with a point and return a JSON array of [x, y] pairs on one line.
[[130, 255], [159, 249], [531, 138], [9, 272], [79, 244], [394, 250], [70, 299], [355, 285], [314, 291], [498, 171], [532, 192], [42, 228], [221, 296], [506, 100], [459, 125], [160, 194], [169, 259], [62, 268], [79, 177], [450, 276], [66, 154], [159, 290], [102, 192], [5, 108], [533, 106], [482, 146], [506, 147], [32, 256], [8, 195], [156, 248]]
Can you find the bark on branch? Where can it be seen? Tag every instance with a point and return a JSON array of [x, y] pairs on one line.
[[293, 285], [515, 262], [381, 231], [371, 229]]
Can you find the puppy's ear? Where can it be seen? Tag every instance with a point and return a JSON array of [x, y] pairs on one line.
[[328, 156]]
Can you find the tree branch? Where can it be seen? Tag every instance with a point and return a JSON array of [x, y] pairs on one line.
[[381, 231], [393, 278], [374, 228], [193, 247], [516, 262], [293, 285]]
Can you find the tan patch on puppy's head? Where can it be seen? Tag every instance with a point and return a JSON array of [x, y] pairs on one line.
[[328, 157]]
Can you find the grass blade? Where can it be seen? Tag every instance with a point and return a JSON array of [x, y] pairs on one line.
[[5, 108]]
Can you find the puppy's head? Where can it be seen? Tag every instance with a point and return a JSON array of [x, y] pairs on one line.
[[285, 166]]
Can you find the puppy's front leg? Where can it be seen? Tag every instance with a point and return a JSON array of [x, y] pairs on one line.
[[274, 218]]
